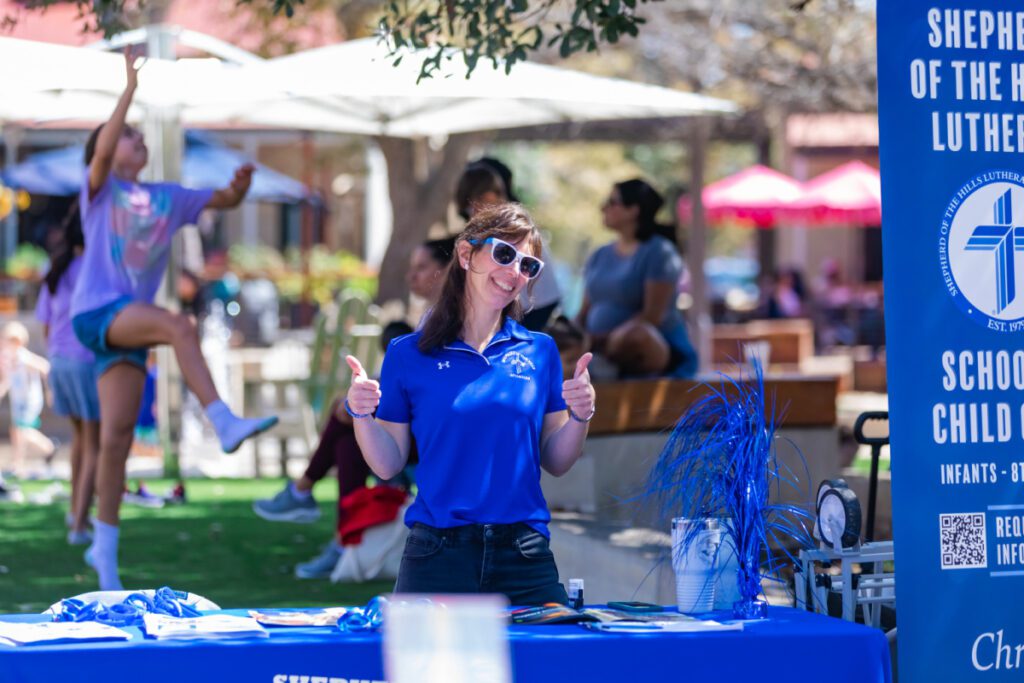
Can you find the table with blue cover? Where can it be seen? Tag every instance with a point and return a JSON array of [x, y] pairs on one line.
[[787, 646]]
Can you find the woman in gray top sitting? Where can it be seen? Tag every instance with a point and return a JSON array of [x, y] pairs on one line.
[[629, 304]]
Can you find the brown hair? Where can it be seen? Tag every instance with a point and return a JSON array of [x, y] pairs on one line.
[[90, 144], [508, 222], [94, 137]]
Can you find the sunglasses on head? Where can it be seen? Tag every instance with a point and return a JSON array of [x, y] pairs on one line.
[[504, 254]]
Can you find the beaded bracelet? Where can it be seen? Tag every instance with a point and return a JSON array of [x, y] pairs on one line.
[[580, 419], [358, 416]]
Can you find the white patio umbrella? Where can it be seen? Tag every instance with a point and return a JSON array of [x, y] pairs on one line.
[[47, 82], [352, 87], [355, 87]]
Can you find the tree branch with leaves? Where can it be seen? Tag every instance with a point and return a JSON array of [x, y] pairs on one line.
[[503, 32], [506, 31]]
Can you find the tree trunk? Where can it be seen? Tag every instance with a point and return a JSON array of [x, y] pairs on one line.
[[420, 184]]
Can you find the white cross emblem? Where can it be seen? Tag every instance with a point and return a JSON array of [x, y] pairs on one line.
[[441, 365]]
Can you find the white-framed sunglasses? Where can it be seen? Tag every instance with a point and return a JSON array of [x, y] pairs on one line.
[[504, 254]]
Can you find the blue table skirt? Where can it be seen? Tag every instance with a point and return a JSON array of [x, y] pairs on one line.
[[790, 645]]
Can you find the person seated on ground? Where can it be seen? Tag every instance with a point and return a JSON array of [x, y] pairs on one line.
[[629, 302], [295, 503], [486, 182], [337, 446]]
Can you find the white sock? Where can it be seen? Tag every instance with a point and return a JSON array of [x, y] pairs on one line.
[[297, 493], [219, 415], [231, 429], [104, 555]]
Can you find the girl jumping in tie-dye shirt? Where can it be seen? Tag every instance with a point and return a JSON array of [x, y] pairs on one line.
[[128, 229]]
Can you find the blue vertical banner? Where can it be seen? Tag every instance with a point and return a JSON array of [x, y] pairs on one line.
[[951, 118]]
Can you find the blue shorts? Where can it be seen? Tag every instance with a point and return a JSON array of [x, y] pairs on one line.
[[73, 383], [91, 329], [27, 423]]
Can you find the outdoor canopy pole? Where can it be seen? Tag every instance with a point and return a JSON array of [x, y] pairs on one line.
[[165, 140], [696, 245], [12, 136]]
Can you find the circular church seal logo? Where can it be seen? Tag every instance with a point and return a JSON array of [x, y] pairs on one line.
[[981, 250]]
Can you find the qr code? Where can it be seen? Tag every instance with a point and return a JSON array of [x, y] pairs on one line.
[[963, 543]]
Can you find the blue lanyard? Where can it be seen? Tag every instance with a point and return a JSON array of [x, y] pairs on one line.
[[130, 611], [369, 618]]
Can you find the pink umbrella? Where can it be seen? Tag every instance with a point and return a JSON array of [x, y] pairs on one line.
[[755, 194], [851, 193]]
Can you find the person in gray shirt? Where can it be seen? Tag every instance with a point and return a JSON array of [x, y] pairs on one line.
[[629, 305]]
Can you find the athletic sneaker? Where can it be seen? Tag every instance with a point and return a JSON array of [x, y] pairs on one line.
[[287, 507], [11, 493], [143, 497], [321, 566]]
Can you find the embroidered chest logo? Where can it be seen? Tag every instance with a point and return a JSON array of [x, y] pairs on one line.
[[520, 365], [443, 365]]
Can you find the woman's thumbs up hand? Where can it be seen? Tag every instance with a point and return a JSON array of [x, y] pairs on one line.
[[364, 393], [578, 393]]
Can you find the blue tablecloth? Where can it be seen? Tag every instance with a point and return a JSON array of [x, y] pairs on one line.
[[790, 645]]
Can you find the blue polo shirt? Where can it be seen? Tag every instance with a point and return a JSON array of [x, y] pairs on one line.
[[477, 420]]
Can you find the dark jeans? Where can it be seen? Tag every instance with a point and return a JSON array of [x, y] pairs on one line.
[[481, 558]]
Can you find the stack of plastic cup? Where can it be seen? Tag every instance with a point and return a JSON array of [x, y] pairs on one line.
[[694, 562]]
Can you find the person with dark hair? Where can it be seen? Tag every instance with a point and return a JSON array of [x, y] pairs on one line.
[[129, 226], [488, 181], [337, 446], [629, 304], [426, 268], [485, 401], [479, 186], [72, 372]]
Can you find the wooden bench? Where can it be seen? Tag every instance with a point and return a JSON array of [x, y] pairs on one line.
[[634, 419], [653, 405], [791, 341]]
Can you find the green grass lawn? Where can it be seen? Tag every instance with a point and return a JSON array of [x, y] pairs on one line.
[[213, 545]]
